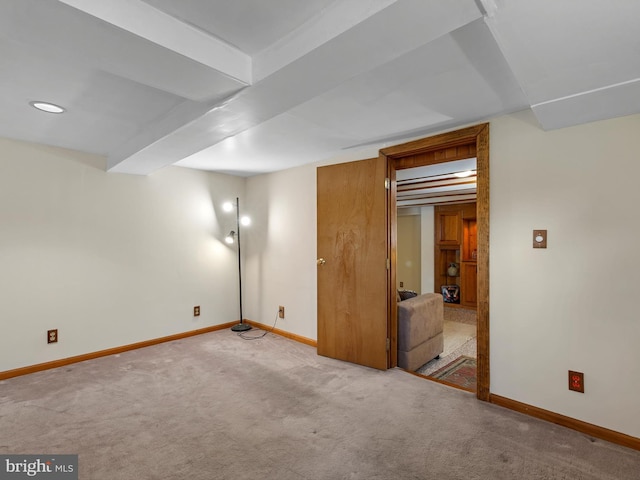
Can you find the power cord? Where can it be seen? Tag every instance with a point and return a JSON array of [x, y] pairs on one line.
[[244, 335]]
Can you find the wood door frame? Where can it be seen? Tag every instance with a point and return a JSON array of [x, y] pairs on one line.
[[439, 149]]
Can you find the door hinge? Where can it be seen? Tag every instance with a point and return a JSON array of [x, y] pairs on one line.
[[388, 344], [388, 264], [387, 183]]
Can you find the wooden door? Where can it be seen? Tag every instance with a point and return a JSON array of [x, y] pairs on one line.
[[353, 289], [469, 279]]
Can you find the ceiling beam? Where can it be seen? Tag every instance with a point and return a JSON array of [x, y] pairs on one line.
[[147, 22], [334, 20], [360, 49], [597, 104], [579, 68]]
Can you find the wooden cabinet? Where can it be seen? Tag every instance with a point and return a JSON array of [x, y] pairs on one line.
[[447, 227], [456, 241]]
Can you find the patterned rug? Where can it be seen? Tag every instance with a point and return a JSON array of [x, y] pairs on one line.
[[462, 372]]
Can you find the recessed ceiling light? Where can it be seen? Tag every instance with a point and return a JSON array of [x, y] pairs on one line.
[[468, 173], [47, 107]]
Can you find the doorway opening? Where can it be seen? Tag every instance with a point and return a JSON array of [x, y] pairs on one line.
[[460, 144], [436, 255]]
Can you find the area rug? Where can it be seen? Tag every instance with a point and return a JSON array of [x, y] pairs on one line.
[[456, 334], [462, 372]]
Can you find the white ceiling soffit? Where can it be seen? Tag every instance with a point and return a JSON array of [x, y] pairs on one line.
[[356, 51], [254, 86], [143, 20], [577, 62], [437, 184], [431, 87], [409, 175], [113, 84]]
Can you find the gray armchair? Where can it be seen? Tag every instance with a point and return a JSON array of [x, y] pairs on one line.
[[420, 330]]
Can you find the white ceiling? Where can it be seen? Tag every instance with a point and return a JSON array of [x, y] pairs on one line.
[[253, 86], [437, 184]]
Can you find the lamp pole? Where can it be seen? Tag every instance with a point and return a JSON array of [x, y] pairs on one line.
[[240, 327]]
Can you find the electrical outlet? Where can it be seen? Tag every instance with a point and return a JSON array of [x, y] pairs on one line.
[[576, 381], [281, 311], [52, 336], [196, 311]]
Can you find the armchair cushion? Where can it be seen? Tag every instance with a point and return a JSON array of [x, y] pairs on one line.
[[420, 330]]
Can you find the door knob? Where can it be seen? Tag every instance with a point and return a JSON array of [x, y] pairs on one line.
[[321, 261]]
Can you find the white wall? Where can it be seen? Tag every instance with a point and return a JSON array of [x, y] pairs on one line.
[[571, 306], [107, 259], [416, 229], [409, 263], [427, 225], [111, 259], [281, 250]]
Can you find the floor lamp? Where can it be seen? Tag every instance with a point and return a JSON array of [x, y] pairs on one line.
[[240, 327]]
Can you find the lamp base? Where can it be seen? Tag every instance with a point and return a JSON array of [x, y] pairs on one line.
[[241, 327]]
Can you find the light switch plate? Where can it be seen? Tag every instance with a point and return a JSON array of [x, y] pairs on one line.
[[539, 239]]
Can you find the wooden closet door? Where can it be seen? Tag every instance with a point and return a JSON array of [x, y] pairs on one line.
[[469, 280]]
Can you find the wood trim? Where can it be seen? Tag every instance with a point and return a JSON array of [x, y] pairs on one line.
[[427, 184], [283, 333], [437, 380], [572, 423], [447, 202], [392, 239], [437, 142], [147, 343], [461, 152], [482, 288], [110, 351]]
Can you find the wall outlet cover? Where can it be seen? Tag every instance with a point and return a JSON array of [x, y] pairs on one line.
[[576, 381], [52, 336]]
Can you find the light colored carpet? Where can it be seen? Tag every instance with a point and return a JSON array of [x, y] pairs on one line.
[[219, 407]]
